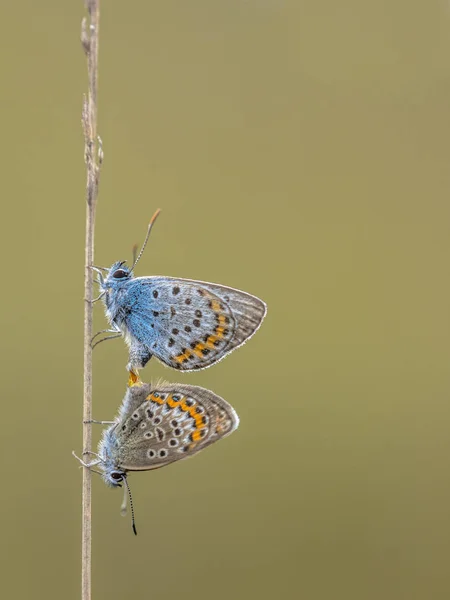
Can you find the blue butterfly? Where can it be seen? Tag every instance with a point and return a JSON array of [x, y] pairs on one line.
[[186, 324]]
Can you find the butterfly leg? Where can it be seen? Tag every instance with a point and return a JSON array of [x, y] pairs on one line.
[[117, 333], [94, 454], [104, 331], [93, 421], [110, 337], [99, 297], [99, 270], [88, 465]]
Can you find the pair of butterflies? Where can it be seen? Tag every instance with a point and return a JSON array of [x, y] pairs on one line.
[[187, 325]]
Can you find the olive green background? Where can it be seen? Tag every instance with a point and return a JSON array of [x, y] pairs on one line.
[[300, 151]]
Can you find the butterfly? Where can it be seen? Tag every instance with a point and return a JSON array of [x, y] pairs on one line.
[[158, 425], [186, 324]]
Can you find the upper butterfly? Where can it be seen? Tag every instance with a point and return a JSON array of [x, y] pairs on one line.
[[186, 324]]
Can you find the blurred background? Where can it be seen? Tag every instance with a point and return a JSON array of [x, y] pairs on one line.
[[306, 145]]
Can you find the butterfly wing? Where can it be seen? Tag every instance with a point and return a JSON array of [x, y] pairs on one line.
[[172, 422], [134, 397], [191, 324]]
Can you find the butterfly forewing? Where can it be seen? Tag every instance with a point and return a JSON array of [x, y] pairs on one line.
[[191, 324], [172, 422]]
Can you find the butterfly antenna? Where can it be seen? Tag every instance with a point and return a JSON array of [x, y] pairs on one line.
[[123, 508], [152, 220], [135, 249]]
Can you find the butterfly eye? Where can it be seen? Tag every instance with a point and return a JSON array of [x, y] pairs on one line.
[[117, 476], [120, 274]]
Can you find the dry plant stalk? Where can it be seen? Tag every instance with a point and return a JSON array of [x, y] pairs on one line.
[[93, 156]]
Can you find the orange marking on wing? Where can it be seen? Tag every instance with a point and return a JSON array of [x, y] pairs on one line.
[[173, 403], [196, 436], [181, 358], [199, 422], [156, 399], [222, 319], [197, 417], [219, 331], [184, 407], [210, 342], [193, 411], [215, 305], [198, 349]]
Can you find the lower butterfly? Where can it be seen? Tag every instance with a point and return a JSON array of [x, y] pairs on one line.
[[159, 425]]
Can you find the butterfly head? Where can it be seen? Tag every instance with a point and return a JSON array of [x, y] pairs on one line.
[[117, 274], [113, 477]]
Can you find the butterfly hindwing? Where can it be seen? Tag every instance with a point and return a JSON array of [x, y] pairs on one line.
[[171, 422], [189, 324]]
